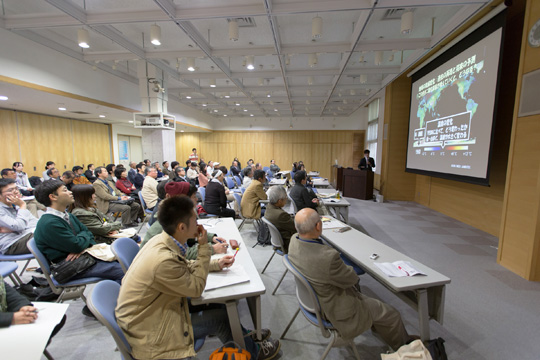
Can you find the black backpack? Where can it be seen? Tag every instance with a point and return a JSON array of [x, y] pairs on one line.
[[263, 237]]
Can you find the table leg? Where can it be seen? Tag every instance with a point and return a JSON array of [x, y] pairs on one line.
[[254, 304], [234, 321], [423, 313]]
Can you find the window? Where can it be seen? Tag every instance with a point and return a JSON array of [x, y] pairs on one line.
[[372, 129]]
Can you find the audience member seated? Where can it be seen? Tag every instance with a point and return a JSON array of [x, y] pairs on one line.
[[258, 166], [251, 207], [147, 162], [49, 165], [138, 180], [219, 245], [84, 208], [301, 196], [180, 174], [166, 171], [273, 167], [215, 201], [336, 285], [32, 205], [149, 189], [249, 165], [155, 292], [67, 178], [107, 197], [132, 171], [283, 221], [203, 178], [123, 184], [61, 236], [110, 170], [228, 192], [89, 173], [235, 168], [192, 172], [174, 165], [54, 174], [80, 179], [248, 177], [17, 224], [22, 180], [158, 169]]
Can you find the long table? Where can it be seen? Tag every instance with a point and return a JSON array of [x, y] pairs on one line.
[[229, 295], [340, 206], [424, 293]]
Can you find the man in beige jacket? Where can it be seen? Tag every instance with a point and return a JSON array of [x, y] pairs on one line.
[[153, 310], [251, 208], [149, 189], [336, 285], [106, 193]]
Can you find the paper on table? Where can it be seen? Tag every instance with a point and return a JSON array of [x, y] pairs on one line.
[[230, 276], [331, 223], [325, 196], [398, 269]]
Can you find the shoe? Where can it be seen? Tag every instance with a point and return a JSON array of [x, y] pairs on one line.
[[265, 334], [268, 349], [86, 311]]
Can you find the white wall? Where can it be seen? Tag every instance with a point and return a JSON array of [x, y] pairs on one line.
[[122, 130]]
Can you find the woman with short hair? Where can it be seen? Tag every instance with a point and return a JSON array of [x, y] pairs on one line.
[[215, 201]]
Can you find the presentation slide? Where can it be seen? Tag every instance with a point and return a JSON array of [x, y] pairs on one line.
[[451, 119]]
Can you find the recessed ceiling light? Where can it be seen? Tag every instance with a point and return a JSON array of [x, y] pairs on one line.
[[188, 97], [3, 98], [245, 109], [250, 62], [275, 109], [224, 114], [181, 130], [101, 116], [268, 95], [250, 114], [204, 104], [62, 108], [215, 110], [155, 35], [191, 64], [237, 104], [130, 121], [83, 38]]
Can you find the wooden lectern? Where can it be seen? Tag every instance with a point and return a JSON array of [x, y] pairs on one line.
[[358, 184]]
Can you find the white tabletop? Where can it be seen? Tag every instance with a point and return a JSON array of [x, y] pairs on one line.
[[313, 173], [284, 172], [332, 201], [226, 228], [359, 247], [320, 182], [29, 341], [277, 182]]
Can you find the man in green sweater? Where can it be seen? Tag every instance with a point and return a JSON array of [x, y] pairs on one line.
[[60, 235], [172, 188]]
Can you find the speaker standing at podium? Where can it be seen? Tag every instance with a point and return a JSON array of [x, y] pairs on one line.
[[367, 163]]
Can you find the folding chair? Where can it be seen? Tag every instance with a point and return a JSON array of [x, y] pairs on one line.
[[21, 257], [279, 248], [125, 250]]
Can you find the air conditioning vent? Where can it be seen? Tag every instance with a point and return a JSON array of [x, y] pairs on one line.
[[244, 21], [395, 14]]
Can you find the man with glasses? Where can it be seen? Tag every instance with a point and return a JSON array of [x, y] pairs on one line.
[[17, 224], [149, 189], [32, 205]]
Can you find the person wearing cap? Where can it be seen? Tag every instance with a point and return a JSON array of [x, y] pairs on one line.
[[79, 178], [173, 188]]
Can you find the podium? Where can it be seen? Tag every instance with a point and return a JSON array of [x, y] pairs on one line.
[[358, 184], [337, 177]]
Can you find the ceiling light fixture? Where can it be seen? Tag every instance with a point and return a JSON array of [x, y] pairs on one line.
[[309, 92], [378, 58], [361, 59], [215, 110], [391, 57], [83, 38], [155, 34], [245, 109], [61, 108], [407, 21], [250, 114], [363, 78], [268, 95], [237, 103], [313, 60], [3, 98], [212, 83], [191, 64], [181, 130], [233, 30], [316, 27], [130, 121], [227, 95], [188, 96], [353, 92], [345, 101], [261, 81], [250, 62], [204, 104], [310, 80], [225, 115], [101, 116]]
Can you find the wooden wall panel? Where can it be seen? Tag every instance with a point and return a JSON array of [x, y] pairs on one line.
[[226, 154], [343, 154], [209, 151], [95, 137], [264, 152], [245, 152], [321, 159], [283, 155], [9, 151], [45, 138], [184, 143], [302, 152]]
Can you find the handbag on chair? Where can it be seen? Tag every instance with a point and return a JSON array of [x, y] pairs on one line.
[[65, 270]]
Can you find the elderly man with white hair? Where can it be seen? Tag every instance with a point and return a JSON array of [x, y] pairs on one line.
[[336, 285], [277, 198]]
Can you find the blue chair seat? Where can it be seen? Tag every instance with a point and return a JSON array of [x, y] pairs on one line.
[[16, 257], [7, 268], [198, 344], [312, 318], [77, 282]]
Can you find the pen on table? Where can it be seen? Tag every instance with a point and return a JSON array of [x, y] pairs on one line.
[[236, 252], [400, 268]]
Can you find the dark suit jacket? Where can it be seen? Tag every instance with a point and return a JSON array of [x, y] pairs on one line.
[[302, 197], [363, 165], [131, 175], [282, 221], [138, 181], [334, 282]]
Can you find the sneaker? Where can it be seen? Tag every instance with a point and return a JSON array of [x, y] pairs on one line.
[[265, 334], [268, 349]]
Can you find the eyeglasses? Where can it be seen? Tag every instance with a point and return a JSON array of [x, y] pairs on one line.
[[11, 191]]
